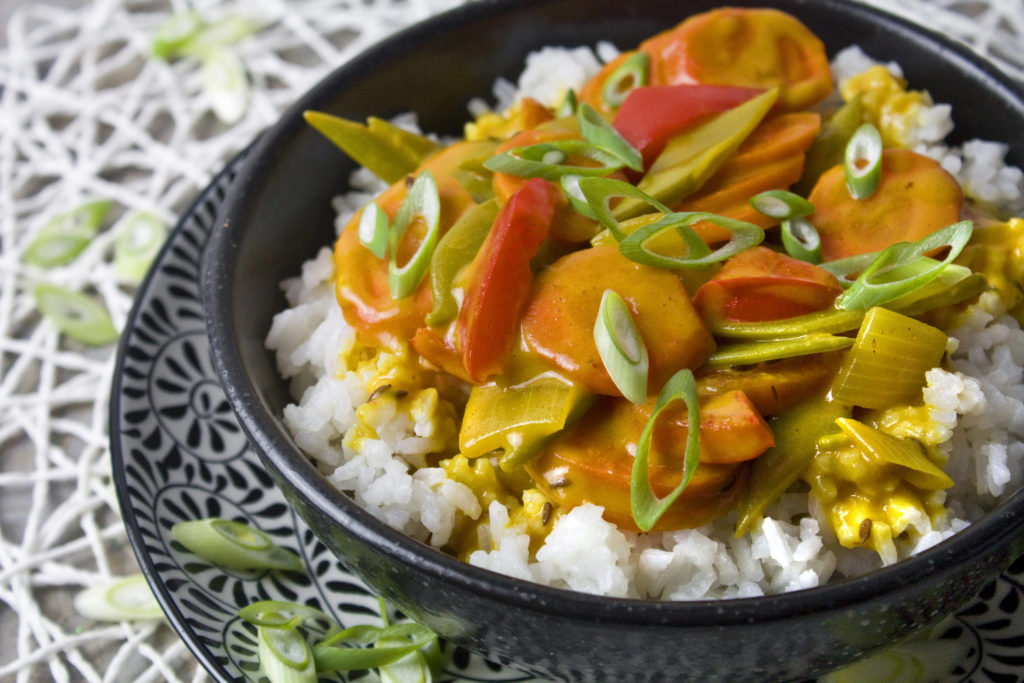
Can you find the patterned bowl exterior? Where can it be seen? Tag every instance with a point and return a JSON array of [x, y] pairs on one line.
[[278, 213]]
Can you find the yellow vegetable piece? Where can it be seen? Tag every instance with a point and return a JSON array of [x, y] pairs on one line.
[[888, 361], [693, 156], [907, 453], [887, 103], [796, 443], [388, 151], [517, 420], [996, 250]]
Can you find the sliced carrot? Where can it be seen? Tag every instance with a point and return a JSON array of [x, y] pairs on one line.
[[754, 48], [361, 285], [772, 158], [775, 386], [558, 323], [915, 197], [592, 461], [760, 284]]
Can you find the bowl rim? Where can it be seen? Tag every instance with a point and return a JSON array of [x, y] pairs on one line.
[[1000, 527]]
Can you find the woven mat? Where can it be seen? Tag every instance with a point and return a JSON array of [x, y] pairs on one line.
[[87, 113]]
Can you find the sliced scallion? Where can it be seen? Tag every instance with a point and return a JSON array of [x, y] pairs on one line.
[[175, 33], [743, 236], [234, 545], [567, 107], [781, 204], [863, 161], [621, 347], [373, 229], [285, 656], [851, 265], [77, 315], [64, 237], [278, 614], [546, 160], [646, 506], [225, 83], [902, 268], [632, 73], [125, 599], [422, 204], [140, 235], [800, 239], [577, 200], [597, 131], [330, 657], [599, 193]]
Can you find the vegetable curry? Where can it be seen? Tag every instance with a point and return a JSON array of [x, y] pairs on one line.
[[696, 283]]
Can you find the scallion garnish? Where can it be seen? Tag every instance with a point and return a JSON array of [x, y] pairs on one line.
[[903, 268], [851, 265], [647, 507], [567, 107], [225, 83], [64, 237], [421, 205], [77, 315], [278, 614], [330, 657], [621, 347], [599, 193], [597, 131], [373, 229], [140, 235], [234, 545], [571, 187], [801, 240], [124, 599], [781, 204], [175, 33], [863, 161], [743, 236], [546, 160], [285, 656], [632, 73]]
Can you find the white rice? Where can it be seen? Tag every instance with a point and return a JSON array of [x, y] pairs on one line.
[[978, 404]]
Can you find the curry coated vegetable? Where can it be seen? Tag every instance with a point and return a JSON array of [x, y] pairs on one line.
[[642, 196]]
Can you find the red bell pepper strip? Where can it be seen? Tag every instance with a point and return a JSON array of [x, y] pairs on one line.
[[652, 115], [499, 279]]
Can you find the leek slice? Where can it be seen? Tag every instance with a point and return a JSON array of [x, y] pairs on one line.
[[796, 432], [907, 453], [888, 361]]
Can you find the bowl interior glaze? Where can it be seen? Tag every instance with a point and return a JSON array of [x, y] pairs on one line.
[[279, 214]]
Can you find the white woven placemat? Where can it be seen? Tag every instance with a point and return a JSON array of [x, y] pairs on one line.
[[86, 113]]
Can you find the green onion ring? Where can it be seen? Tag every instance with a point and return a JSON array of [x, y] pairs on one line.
[[600, 191], [285, 656], [64, 237], [140, 235], [621, 347], [373, 229], [632, 73], [597, 131], [743, 236], [646, 506], [76, 315], [863, 161], [851, 265], [571, 187], [543, 160], [234, 545], [423, 201], [801, 240], [279, 614], [902, 268], [781, 204], [567, 107]]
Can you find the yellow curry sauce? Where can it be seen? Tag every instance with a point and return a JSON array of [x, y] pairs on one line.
[[496, 339]]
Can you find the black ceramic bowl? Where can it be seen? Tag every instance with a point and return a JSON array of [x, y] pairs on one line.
[[279, 213]]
